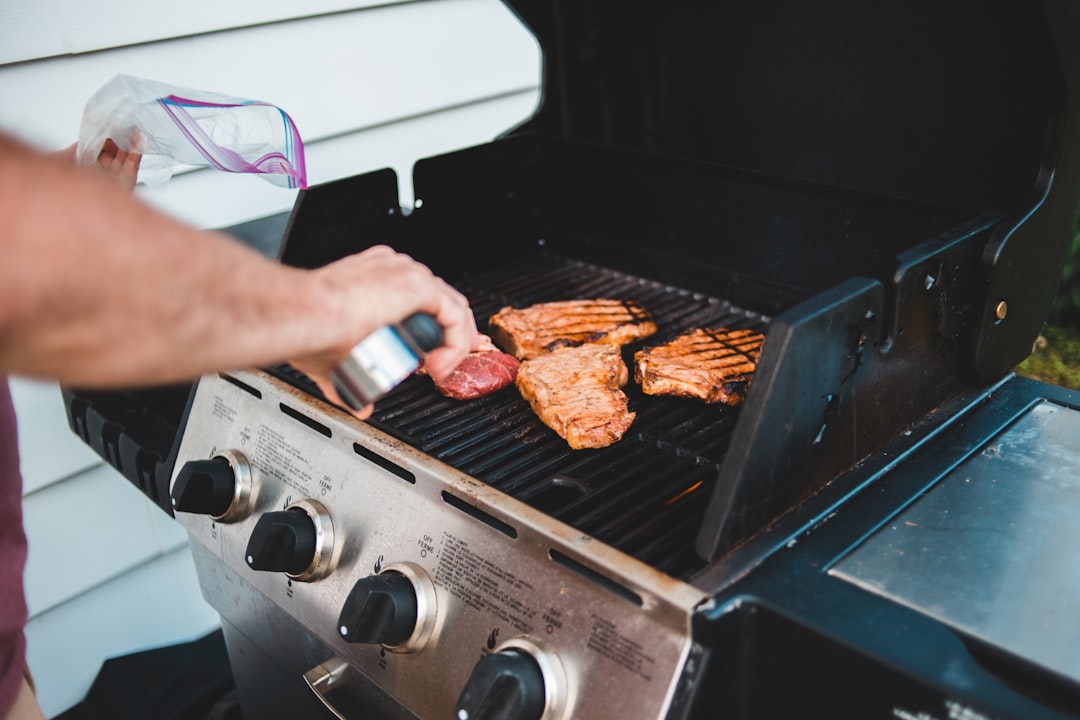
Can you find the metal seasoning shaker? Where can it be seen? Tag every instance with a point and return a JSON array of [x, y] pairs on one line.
[[385, 358]]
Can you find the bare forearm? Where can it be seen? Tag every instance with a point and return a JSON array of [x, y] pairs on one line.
[[97, 288]]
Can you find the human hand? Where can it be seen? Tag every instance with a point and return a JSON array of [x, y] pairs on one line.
[[380, 287], [113, 163], [120, 166]]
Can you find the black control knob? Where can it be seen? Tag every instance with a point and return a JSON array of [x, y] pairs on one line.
[[205, 487], [283, 541], [505, 685], [380, 609]]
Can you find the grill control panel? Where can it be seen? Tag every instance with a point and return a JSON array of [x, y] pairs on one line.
[[444, 592]]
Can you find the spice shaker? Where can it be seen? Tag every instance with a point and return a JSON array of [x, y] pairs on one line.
[[382, 360]]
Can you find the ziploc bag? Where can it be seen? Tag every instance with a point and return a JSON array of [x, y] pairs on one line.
[[174, 127]]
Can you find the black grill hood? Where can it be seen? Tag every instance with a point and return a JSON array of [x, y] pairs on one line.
[[946, 103], [960, 104]]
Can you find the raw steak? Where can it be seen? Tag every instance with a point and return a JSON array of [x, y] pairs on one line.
[[480, 373]]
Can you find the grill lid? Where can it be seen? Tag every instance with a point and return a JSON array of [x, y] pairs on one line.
[[946, 103], [957, 104]]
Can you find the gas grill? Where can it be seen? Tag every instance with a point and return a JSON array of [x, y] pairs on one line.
[[880, 530]]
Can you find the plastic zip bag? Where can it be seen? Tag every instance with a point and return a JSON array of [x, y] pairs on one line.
[[174, 127]]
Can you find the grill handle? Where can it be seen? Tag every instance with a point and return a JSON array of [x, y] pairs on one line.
[[326, 677]]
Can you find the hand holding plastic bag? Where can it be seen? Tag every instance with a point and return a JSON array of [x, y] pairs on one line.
[[173, 127]]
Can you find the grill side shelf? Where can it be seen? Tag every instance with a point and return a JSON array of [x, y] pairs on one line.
[[137, 432]]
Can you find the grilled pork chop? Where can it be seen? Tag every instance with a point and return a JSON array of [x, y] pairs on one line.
[[576, 391], [530, 332], [713, 365]]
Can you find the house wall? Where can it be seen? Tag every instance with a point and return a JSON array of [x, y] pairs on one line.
[[369, 85]]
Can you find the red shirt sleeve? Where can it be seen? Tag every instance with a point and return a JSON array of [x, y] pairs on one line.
[[13, 612]]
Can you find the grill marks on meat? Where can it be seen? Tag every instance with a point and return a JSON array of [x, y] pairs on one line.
[[480, 373], [712, 365], [533, 331], [577, 392], [572, 372]]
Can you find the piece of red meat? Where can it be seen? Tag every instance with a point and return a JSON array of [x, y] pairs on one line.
[[480, 373]]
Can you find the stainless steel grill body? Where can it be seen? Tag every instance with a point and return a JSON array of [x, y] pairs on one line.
[[498, 572]]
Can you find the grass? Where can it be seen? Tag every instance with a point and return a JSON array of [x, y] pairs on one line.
[[1055, 358]]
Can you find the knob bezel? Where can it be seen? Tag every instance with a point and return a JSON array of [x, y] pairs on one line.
[[325, 557], [426, 606], [243, 488], [557, 691]]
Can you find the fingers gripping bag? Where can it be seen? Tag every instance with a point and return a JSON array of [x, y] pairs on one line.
[[174, 127]]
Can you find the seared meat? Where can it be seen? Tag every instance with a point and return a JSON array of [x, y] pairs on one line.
[[532, 331], [713, 365], [576, 392], [480, 373]]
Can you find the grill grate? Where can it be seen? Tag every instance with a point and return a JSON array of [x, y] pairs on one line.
[[646, 494]]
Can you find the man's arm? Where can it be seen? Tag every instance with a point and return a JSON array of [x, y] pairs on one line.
[[98, 289]]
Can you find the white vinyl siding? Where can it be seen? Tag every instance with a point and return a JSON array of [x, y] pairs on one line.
[[370, 85], [33, 29]]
